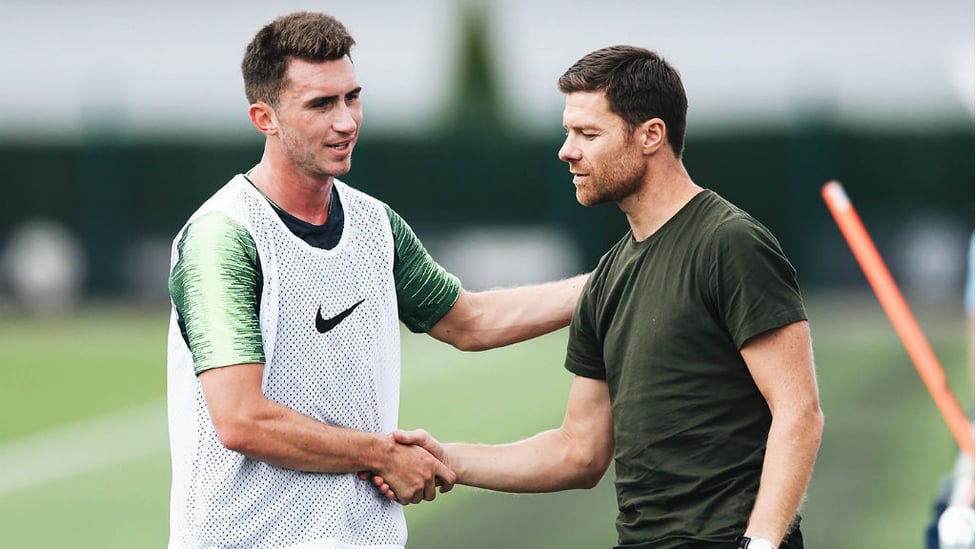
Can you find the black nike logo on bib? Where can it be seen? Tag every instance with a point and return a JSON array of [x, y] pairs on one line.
[[325, 324]]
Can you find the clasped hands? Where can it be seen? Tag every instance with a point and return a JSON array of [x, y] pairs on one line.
[[418, 469]]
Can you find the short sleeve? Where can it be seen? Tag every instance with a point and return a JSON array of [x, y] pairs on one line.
[[425, 290], [215, 286], [753, 283], [584, 352]]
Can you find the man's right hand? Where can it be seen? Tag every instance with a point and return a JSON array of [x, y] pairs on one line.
[[422, 438], [414, 445], [413, 472]]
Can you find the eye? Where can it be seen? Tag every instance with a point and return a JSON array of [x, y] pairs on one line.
[[324, 103]]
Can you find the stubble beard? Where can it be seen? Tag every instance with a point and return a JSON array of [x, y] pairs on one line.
[[613, 184], [306, 158]]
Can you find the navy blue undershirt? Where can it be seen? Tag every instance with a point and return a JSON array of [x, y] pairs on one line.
[[325, 236]]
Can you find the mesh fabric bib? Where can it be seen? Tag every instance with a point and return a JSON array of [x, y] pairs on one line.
[[331, 339]]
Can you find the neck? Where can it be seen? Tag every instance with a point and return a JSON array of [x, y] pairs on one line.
[[662, 195], [302, 196]]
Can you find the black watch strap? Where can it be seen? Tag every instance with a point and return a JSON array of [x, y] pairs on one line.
[[743, 542]]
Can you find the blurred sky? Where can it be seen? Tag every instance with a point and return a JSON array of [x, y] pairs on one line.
[[150, 69]]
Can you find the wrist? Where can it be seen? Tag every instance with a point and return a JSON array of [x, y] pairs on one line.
[[382, 454], [454, 462]]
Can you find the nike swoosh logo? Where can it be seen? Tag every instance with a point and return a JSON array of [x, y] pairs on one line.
[[325, 324]]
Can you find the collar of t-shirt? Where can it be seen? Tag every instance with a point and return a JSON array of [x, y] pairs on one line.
[[325, 236]]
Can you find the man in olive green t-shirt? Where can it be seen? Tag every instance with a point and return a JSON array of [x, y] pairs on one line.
[[690, 344]]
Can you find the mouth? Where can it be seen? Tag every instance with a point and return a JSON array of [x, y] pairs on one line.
[[579, 177], [341, 147]]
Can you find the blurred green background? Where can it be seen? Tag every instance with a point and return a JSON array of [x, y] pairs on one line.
[[116, 127]]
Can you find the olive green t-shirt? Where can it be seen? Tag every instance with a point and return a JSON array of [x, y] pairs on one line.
[[662, 321]]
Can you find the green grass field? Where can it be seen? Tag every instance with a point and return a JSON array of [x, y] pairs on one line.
[[84, 463]]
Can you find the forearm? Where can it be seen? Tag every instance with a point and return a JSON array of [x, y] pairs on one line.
[[576, 455], [282, 437], [249, 423], [495, 318], [546, 462], [791, 451]]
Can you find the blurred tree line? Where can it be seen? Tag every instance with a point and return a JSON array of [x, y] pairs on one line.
[[475, 171]]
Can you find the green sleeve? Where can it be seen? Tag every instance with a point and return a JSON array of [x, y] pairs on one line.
[[584, 349], [753, 282], [216, 286], [425, 291]]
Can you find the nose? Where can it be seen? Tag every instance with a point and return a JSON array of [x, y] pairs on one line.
[[568, 152], [346, 118]]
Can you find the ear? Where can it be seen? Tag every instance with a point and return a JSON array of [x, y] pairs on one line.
[[652, 135], [264, 118]]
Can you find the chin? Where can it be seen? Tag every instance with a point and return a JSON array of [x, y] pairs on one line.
[[588, 199], [341, 169]]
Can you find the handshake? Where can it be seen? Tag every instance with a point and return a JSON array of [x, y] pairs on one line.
[[417, 466]]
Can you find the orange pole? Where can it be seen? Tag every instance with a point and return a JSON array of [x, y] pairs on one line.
[[898, 312]]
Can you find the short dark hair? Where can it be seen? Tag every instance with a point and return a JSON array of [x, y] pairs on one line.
[[639, 85], [304, 35]]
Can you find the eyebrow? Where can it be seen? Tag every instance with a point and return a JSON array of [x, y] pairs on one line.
[[326, 99], [582, 127]]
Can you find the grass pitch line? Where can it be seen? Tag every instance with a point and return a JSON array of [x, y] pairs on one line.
[[82, 447]]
